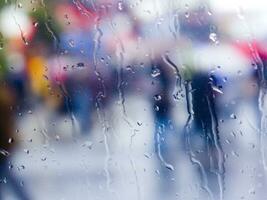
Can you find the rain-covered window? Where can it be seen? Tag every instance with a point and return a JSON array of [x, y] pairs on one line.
[[133, 99]]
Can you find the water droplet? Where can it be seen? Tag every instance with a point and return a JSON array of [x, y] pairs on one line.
[[35, 24], [155, 72], [216, 89], [252, 191], [146, 155], [43, 159], [10, 140], [209, 13], [120, 6], [27, 151], [88, 144], [21, 183], [213, 38], [170, 167], [157, 97], [4, 152], [187, 15], [19, 5], [228, 141], [71, 43], [5, 180], [80, 64], [233, 116], [139, 123], [234, 153]]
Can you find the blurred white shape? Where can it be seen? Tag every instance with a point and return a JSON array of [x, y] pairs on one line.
[[229, 59], [252, 25], [10, 21], [150, 10], [233, 5]]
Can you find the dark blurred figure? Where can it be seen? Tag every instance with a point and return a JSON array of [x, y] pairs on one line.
[[7, 144], [205, 134], [164, 136], [80, 102]]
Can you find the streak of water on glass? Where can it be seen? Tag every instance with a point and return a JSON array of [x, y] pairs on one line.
[[103, 121], [97, 43], [22, 34], [261, 101], [220, 153], [262, 84], [59, 82], [133, 165], [188, 129], [178, 85], [159, 151], [79, 5], [100, 95], [1, 41], [120, 53]]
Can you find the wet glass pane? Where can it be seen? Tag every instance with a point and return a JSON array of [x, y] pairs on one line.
[[133, 99]]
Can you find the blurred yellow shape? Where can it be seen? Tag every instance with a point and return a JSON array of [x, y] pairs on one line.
[[37, 75]]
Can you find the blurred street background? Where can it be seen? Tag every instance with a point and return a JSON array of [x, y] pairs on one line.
[[133, 99]]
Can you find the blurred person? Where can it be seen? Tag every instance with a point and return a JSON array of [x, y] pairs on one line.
[[77, 47], [7, 145], [205, 136], [165, 137], [80, 101]]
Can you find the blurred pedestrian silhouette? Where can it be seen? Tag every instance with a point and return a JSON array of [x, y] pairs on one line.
[[165, 139], [7, 144], [205, 137]]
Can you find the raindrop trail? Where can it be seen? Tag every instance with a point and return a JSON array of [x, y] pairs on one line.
[[97, 44], [178, 76], [1, 41], [60, 83], [102, 119], [134, 166], [187, 128], [261, 101], [21, 32], [4, 152], [120, 57], [54, 35], [120, 89], [262, 84], [82, 8], [49, 29], [67, 98], [158, 140], [220, 153], [93, 5]]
